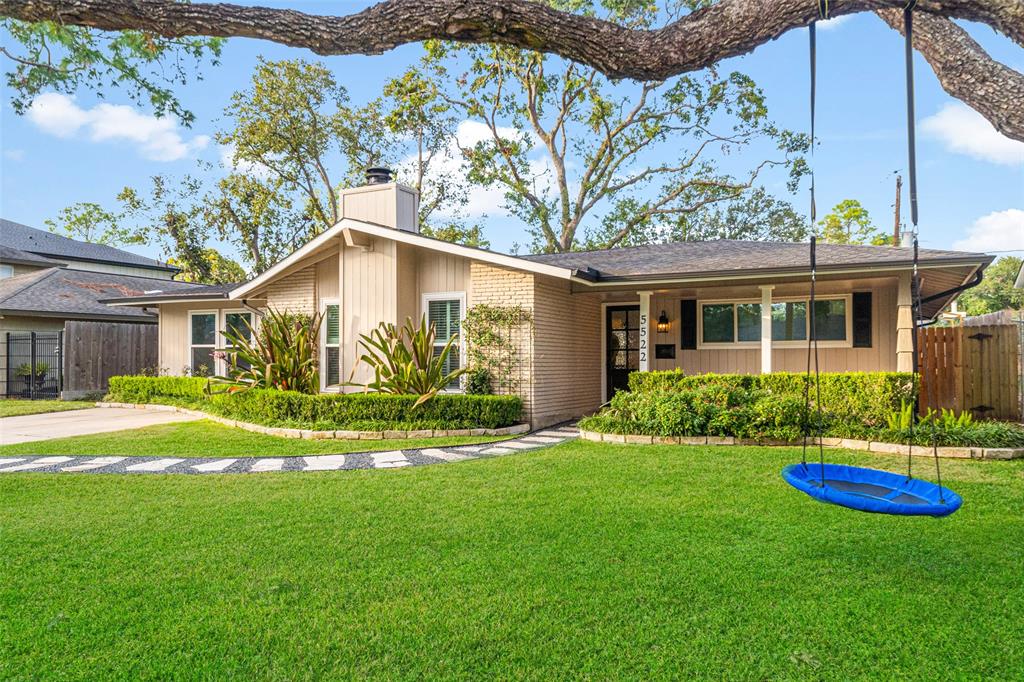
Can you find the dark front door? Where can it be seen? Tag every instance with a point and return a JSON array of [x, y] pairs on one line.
[[622, 329]]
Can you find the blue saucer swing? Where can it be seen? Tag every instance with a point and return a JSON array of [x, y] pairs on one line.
[[861, 488]]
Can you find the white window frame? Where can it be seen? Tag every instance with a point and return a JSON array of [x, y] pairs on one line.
[[735, 345], [222, 325], [6, 271], [220, 316], [216, 325], [425, 300], [324, 388]]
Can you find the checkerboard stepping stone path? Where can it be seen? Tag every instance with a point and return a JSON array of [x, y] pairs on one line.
[[267, 465]]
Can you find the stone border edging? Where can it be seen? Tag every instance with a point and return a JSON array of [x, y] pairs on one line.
[[310, 434], [847, 443]]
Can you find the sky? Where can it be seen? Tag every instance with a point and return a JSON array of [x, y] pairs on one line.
[[970, 178]]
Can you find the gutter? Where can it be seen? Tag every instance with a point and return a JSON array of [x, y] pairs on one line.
[[979, 275]]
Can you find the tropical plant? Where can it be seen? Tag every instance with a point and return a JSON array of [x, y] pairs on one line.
[[281, 353], [25, 369], [403, 360]]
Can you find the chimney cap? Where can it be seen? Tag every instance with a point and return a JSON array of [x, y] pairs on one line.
[[378, 175]]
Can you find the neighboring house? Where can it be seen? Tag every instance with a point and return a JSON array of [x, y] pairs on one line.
[[719, 306], [47, 279]]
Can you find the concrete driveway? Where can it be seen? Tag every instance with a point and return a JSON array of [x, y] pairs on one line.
[[34, 427]]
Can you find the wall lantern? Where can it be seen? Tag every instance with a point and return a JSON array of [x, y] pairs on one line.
[[662, 323]]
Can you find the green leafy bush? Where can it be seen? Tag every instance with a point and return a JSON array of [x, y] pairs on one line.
[[445, 410], [859, 398], [353, 411], [478, 382], [144, 389]]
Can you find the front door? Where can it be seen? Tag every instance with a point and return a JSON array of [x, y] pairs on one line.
[[622, 341]]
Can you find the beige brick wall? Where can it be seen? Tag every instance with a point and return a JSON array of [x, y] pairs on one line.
[[295, 293], [567, 352], [562, 362]]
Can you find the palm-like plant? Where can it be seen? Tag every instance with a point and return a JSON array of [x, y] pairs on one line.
[[403, 360], [281, 354]]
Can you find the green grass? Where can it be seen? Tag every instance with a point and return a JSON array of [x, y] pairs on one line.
[[18, 408], [204, 438], [579, 561]]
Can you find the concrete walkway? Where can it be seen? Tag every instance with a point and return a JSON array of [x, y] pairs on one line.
[[35, 427], [255, 465]]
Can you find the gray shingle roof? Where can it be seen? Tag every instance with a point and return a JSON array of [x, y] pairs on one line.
[[725, 256], [9, 254], [78, 293], [25, 238], [200, 292]]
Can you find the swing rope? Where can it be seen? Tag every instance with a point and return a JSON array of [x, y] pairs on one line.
[[812, 342], [915, 282]]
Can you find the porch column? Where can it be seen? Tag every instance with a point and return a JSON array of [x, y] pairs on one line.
[[904, 326], [766, 328], [645, 331]]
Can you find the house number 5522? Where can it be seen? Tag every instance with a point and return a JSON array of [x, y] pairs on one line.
[[643, 338]]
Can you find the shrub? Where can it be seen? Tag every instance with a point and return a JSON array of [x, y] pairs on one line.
[[142, 389], [478, 382], [445, 410], [860, 398]]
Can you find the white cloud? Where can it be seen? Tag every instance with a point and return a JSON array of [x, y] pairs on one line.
[[228, 161], [833, 23], [157, 139], [964, 131], [998, 231]]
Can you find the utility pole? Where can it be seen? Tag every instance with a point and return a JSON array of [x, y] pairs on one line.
[[896, 225]]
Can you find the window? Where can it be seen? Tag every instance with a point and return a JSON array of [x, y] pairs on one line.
[[740, 322], [202, 342], [789, 321], [444, 311], [330, 373], [830, 319], [241, 322], [6, 271]]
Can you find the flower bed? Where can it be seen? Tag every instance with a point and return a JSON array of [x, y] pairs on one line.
[[369, 412]]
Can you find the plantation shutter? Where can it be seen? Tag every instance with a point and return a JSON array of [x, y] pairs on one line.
[[332, 345], [862, 319], [446, 315], [688, 324]]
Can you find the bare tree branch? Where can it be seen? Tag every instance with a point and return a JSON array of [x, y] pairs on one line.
[[694, 41]]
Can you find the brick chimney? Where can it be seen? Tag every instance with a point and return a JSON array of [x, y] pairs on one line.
[[382, 201]]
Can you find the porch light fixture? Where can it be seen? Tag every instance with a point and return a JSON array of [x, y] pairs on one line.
[[662, 323]]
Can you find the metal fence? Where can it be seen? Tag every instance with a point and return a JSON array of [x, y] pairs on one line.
[[35, 362]]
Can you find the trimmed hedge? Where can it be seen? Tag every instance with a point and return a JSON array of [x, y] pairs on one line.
[[355, 411], [853, 398], [138, 389], [445, 410]]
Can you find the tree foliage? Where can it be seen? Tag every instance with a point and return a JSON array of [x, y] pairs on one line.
[[597, 139], [53, 56], [996, 291], [90, 222], [849, 223]]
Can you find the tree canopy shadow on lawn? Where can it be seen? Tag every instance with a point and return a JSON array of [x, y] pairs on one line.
[[584, 560]]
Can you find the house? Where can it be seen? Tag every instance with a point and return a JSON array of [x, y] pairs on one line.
[[719, 306], [47, 280]]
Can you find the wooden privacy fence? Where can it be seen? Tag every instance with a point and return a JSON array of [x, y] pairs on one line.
[[96, 351], [973, 369]]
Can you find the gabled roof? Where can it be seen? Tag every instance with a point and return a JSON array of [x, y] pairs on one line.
[[724, 257], [41, 242], [78, 294], [9, 254]]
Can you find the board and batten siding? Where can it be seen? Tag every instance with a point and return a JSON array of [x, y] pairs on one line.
[[880, 357], [369, 296]]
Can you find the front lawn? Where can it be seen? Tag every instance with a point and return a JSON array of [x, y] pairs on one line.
[[204, 438], [584, 560], [18, 408]]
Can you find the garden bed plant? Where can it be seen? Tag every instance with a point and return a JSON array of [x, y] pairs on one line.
[[770, 407]]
